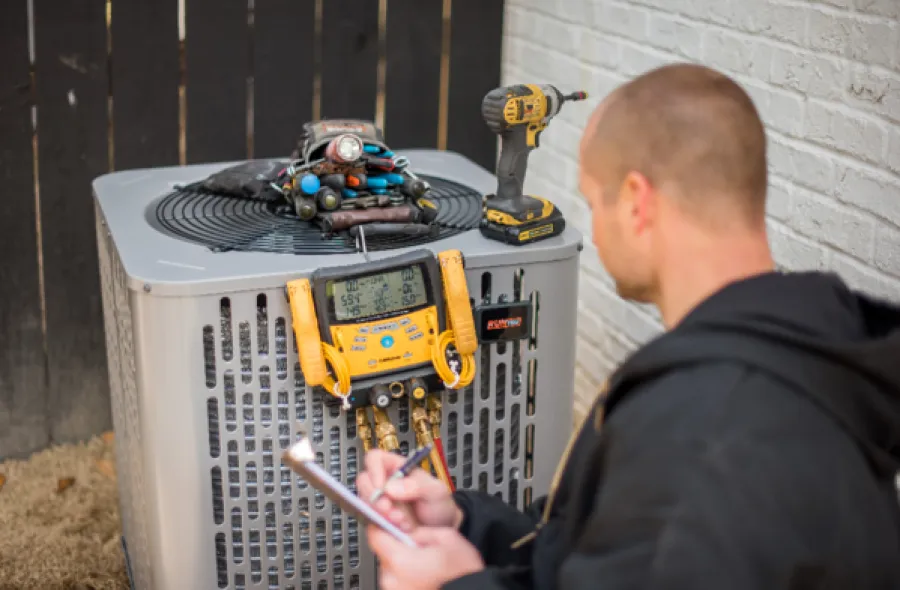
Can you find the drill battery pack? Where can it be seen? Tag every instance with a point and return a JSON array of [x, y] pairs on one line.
[[527, 232]]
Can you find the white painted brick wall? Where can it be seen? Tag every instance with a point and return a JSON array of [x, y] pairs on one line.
[[825, 75]]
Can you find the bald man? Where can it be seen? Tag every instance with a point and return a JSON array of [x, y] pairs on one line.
[[752, 446]]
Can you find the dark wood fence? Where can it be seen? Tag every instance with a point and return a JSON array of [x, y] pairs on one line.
[[90, 86]]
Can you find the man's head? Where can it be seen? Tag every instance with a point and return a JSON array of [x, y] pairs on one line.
[[677, 153]]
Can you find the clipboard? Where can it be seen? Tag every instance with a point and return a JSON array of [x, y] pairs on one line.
[[302, 460]]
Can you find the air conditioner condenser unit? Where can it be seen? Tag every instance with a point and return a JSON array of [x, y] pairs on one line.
[[207, 388]]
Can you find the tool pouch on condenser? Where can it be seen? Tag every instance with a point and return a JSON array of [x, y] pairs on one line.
[[316, 135], [250, 180]]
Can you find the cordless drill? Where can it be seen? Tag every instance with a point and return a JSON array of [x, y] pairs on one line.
[[518, 114]]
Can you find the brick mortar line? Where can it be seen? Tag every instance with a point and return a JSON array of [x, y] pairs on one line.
[[695, 20], [833, 251], [762, 36], [623, 339], [867, 113], [841, 157], [742, 35], [838, 11], [785, 182], [637, 308], [880, 220]]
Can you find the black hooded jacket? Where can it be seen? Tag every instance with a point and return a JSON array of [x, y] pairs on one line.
[[753, 447]]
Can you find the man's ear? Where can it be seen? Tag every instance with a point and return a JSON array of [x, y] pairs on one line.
[[638, 195]]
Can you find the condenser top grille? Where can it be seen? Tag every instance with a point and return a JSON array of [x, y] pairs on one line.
[[225, 223], [156, 231]]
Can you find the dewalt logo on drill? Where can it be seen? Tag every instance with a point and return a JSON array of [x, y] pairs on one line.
[[537, 232]]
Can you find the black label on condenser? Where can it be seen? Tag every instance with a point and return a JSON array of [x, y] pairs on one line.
[[503, 321]]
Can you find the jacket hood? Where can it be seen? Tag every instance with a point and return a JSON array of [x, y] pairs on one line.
[[838, 347]]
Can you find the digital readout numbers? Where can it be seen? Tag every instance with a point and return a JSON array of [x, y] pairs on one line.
[[379, 294]]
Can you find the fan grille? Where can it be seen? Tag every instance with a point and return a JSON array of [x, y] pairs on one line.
[[224, 223]]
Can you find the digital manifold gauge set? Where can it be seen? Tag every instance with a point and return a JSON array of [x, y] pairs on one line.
[[374, 332]]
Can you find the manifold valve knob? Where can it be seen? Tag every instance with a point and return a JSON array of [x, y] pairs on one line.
[[380, 396]]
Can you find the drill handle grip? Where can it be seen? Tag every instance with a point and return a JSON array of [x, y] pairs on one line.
[[514, 151]]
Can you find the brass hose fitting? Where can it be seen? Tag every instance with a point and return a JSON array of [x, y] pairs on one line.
[[421, 425], [385, 432], [364, 429], [434, 415], [423, 434], [397, 389], [423, 438]]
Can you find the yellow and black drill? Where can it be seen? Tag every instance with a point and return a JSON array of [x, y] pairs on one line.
[[518, 114]]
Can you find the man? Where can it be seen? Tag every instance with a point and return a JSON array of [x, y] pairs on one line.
[[754, 445]]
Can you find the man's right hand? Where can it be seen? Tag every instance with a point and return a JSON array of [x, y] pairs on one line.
[[416, 500]]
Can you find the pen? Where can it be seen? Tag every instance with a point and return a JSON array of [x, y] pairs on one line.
[[404, 470]]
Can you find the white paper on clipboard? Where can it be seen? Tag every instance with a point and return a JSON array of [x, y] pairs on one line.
[[302, 460]]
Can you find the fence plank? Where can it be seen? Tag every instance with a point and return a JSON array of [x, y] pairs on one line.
[[349, 59], [413, 80], [23, 388], [145, 83], [71, 66], [475, 61], [283, 71], [216, 47]]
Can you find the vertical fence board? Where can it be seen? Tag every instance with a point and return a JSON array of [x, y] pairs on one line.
[[56, 390], [145, 83], [71, 66], [23, 391], [283, 72], [413, 80], [349, 59], [217, 54], [475, 62]]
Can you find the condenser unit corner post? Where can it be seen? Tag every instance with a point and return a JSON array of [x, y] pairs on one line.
[[207, 389]]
